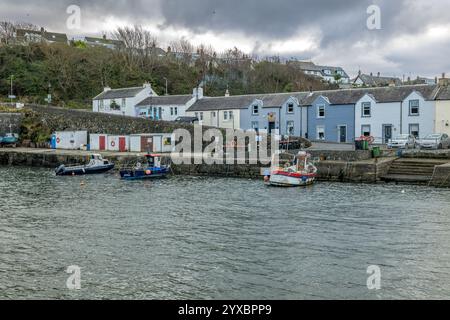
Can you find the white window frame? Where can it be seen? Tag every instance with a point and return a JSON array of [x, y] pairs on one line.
[[257, 110], [225, 116], [320, 106], [363, 106], [319, 129], [362, 129], [288, 122], [411, 106], [418, 129]]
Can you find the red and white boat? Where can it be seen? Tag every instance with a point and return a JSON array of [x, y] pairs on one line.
[[297, 174]]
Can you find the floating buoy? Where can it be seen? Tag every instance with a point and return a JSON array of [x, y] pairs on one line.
[[82, 183]]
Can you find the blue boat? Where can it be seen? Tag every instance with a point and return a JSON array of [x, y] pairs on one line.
[[96, 165], [153, 169]]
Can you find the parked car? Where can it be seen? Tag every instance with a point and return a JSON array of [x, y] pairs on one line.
[[188, 120], [435, 141], [403, 141]]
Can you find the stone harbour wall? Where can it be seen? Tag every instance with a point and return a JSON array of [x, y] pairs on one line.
[[60, 119]]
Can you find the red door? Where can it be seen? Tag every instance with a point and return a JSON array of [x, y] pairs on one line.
[[122, 144], [102, 143]]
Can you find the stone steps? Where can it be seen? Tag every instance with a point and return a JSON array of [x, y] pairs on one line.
[[417, 171], [413, 179]]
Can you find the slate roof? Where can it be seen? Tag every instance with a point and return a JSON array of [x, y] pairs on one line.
[[104, 41], [222, 103], [444, 93], [310, 66], [166, 100], [335, 97], [378, 81], [49, 36], [119, 93], [382, 94]]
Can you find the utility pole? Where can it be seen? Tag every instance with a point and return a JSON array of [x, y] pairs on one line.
[[11, 96], [167, 88]]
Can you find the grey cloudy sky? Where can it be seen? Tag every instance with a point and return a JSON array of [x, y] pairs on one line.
[[414, 39]]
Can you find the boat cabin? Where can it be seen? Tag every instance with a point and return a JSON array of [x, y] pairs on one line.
[[154, 160], [97, 159]]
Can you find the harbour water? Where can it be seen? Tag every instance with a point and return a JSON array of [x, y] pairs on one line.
[[207, 238]]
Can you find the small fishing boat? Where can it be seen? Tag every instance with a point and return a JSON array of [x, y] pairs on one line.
[[153, 169], [96, 165], [300, 172], [10, 139]]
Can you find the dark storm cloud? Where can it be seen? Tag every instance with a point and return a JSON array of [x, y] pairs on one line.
[[335, 25]]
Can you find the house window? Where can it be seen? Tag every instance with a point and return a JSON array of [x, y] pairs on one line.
[[321, 111], [290, 108], [213, 114], [414, 130], [114, 106], [101, 105], [225, 115], [176, 111], [255, 110], [255, 125], [414, 107], [320, 133], [366, 109], [171, 111], [201, 116], [231, 115], [290, 127], [365, 130], [124, 103]]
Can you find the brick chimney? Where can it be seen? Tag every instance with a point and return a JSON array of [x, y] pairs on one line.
[[444, 81], [227, 93]]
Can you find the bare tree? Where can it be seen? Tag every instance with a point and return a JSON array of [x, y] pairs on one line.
[[8, 30], [139, 46], [183, 50]]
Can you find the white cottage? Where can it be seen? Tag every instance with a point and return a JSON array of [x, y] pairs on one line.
[[385, 113], [168, 108], [122, 101]]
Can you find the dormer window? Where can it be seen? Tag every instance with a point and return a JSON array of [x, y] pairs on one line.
[[290, 108], [366, 109], [255, 110], [414, 107], [321, 111]]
